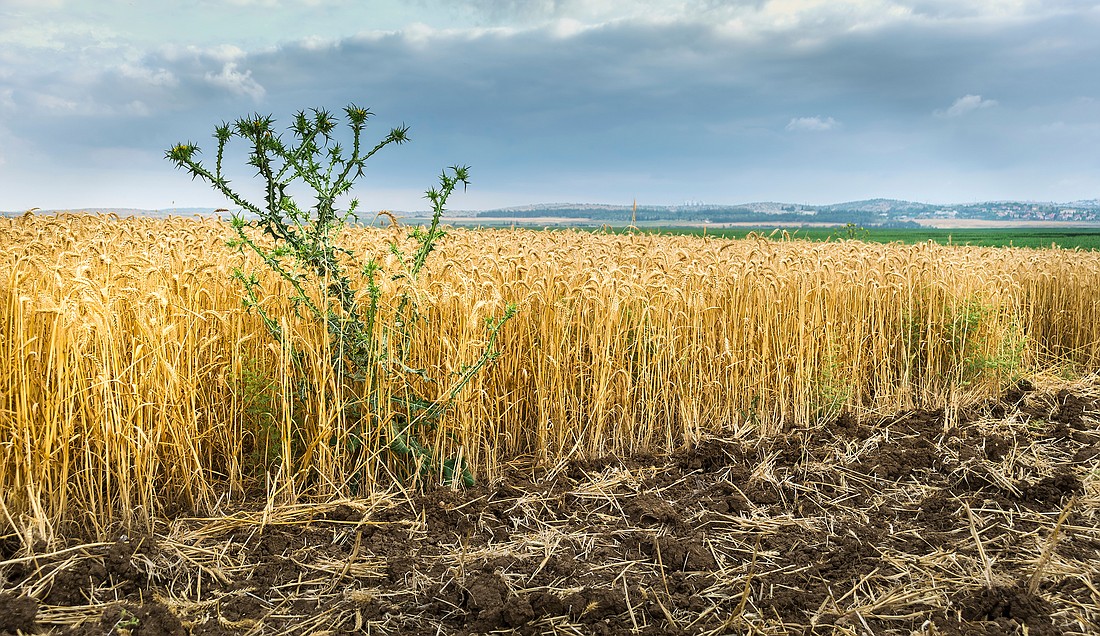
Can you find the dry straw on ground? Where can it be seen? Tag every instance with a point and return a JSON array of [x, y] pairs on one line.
[[985, 522]]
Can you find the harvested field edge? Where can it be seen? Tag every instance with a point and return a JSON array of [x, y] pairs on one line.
[[930, 522]]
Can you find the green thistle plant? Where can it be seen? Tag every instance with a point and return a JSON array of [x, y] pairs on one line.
[[325, 276]]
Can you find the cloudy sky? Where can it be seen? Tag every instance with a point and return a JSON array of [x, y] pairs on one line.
[[665, 101]]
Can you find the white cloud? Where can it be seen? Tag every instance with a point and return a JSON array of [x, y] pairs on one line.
[[220, 52], [54, 104], [236, 82], [813, 124], [966, 104], [317, 43], [152, 77], [565, 28]]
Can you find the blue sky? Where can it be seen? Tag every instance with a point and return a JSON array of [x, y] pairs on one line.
[[810, 101]]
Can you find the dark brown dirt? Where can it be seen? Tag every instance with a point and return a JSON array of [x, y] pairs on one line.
[[855, 527], [17, 613], [147, 619], [1008, 607]]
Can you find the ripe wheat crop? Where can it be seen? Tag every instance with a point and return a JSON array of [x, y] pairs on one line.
[[133, 384]]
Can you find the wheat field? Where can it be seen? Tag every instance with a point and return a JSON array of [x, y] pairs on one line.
[[134, 385]]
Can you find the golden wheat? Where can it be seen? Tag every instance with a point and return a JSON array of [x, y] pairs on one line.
[[133, 384]]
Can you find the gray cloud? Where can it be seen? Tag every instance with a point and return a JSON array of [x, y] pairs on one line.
[[696, 105]]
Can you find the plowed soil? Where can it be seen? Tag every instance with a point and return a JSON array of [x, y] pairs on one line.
[[980, 522]]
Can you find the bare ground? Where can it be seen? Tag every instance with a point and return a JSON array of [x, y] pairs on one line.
[[982, 522]]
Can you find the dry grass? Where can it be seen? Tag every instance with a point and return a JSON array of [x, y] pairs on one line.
[[133, 385], [990, 526]]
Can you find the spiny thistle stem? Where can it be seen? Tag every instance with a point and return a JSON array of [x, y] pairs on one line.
[[320, 272]]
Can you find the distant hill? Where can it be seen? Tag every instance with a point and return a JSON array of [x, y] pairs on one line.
[[883, 206], [868, 213]]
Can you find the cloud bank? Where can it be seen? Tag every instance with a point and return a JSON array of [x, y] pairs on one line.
[[568, 100]]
